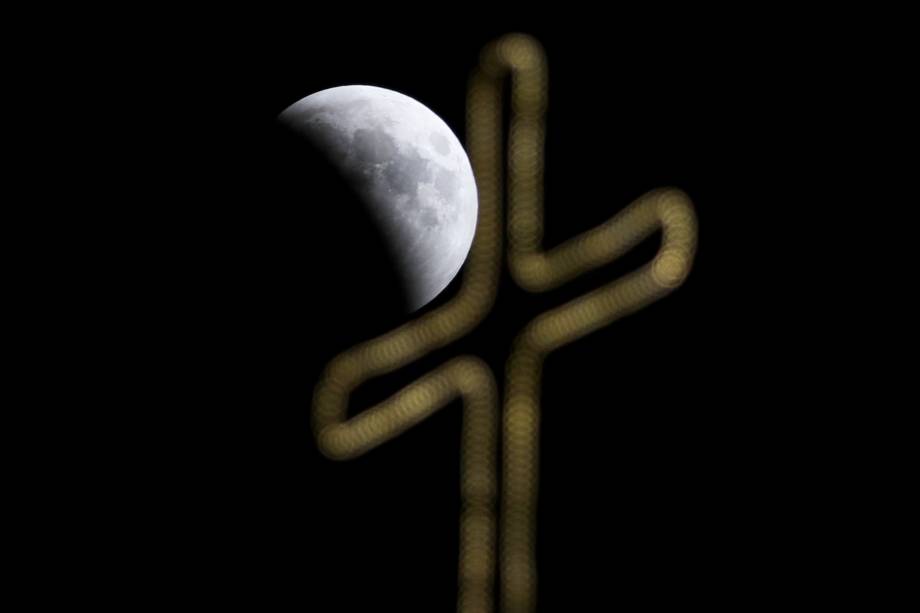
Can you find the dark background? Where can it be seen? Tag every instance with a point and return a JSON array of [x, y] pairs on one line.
[[681, 459]]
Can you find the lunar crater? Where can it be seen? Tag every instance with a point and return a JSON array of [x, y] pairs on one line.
[[410, 170]]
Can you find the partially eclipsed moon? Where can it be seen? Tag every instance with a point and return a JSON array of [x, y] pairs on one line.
[[410, 169]]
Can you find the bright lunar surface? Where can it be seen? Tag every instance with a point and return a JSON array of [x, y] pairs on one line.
[[409, 168]]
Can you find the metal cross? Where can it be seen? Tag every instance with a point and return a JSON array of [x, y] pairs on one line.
[[466, 377]]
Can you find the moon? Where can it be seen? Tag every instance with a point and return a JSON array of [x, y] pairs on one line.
[[409, 169]]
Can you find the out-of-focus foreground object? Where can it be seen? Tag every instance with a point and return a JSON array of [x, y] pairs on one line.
[[522, 58]]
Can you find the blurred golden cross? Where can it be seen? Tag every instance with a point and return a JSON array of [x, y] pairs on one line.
[[466, 377]]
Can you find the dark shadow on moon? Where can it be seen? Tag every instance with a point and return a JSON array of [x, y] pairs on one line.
[[423, 206], [322, 257]]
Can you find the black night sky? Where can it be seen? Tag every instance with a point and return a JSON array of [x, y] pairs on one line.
[[676, 465]]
